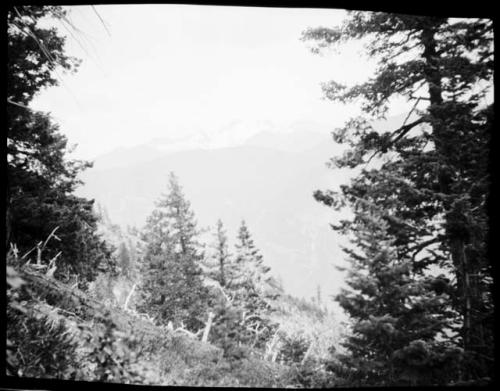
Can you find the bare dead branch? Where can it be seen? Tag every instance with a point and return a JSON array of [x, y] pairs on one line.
[[129, 296]]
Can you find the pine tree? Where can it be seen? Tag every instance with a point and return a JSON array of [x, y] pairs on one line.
[[172, 287], [433, 182], [217, 265]]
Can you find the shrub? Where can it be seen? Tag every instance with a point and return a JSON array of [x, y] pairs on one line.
[[294, 347], [253, 372], [40, 347], [210, 375], [37, 346], [110, 352], [312, 374]]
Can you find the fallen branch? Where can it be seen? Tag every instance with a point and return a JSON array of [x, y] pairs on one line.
[[14, 250], [52, 266], [52, 234], [128, 297], [40, 246], [208, 325], [186, 331], [270, 346], [70, 299], [308, 352], [29, 252]]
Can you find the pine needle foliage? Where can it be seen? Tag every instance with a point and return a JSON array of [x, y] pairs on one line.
[[172, 286], [427, 180], [40, 178]]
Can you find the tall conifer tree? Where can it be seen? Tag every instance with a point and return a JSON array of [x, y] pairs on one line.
[[250, 286], [172, 286], [249, 262], [217, 264], [398, 311], [433, 182]]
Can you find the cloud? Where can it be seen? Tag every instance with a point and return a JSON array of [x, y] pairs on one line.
[[168, 69]]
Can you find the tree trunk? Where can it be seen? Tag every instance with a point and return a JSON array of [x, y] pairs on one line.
[[456, 242], [222, 276]]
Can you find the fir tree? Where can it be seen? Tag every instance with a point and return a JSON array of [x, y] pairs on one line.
[[433, 182], [397, 313], [249, 265], [250, 286], [217, 265], [171, 278]]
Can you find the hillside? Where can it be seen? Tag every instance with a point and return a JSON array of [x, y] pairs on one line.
[[104, 342], [104, 337]]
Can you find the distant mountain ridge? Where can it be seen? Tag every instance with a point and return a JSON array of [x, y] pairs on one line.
[[267, 179], [265, 134]]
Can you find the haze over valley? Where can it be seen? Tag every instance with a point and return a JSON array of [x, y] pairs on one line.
[[267, 178]]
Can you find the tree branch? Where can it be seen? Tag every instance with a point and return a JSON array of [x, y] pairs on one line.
[[128, 297], [421, 246], [400, 133], [403, 130]]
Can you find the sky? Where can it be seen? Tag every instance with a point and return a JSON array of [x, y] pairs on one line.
[[164, 71]]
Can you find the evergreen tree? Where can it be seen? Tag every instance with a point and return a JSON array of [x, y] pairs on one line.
[[40, 179], [398, 313], [218, 263], [172, 286], [318, 295], [432, 183], [249, 265], [124, 260], [229, 331], [249, 284], [134, 256]]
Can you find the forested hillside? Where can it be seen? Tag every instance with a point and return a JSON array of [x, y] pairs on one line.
[[170, 311], [172, 303]]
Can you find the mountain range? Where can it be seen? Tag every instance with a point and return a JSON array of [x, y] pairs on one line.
[[266, 177]]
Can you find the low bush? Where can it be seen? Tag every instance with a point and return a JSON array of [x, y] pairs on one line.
[[254, 372], [39, 347], [311, 374], [294, 347], [112, 353], [210, 375]]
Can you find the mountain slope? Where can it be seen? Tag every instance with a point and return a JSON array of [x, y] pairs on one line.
[[267, 179], [270, 188]]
